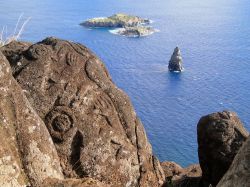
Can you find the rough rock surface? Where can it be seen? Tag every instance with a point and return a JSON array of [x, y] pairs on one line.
[[171, 169], [220, 136], [27, 153], [92, 123], [175, 63], [239, 172], [176, 176], [13, 51], [83, 182], [23, 133]]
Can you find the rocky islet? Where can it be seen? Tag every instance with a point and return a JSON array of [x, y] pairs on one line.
[[124, 24], [175, 62]]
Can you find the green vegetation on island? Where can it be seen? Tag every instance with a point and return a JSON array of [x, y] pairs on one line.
[[128, 25], [116, 20]]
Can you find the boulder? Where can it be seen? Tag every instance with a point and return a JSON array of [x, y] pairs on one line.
[[92, 123], [176, 176], [171, 169], [27, 153], [220, 136], [239, 172], [175, 63]]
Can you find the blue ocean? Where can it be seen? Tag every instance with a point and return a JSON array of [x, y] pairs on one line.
[[214, 38]]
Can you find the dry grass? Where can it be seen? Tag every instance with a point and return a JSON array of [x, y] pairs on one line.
[[6, 38]]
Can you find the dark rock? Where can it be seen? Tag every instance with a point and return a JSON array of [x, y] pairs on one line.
[[187, 182], [92, 123], [220, 136], [239, 172], [175, 63], [13, 51]]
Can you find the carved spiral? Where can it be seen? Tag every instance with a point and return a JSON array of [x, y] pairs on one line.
[[36, 51], [59, 121]]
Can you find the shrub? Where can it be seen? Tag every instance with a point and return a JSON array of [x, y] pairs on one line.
[[6, 38]]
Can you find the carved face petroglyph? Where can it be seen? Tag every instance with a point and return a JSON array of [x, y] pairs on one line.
[[81, 117]]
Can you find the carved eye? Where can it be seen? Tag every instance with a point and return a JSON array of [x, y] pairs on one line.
[[62, 123], [59, 121], [35, 51]]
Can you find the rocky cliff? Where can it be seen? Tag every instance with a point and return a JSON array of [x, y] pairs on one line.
[[63, 122], [82, 125], [27, 153]]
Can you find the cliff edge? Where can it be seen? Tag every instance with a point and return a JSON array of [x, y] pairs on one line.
[[84, 125]]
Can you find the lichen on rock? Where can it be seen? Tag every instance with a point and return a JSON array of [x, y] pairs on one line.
[[92, 128]]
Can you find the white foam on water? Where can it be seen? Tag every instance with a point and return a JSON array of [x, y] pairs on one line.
[[118, 30]]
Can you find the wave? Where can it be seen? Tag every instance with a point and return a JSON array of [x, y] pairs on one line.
[[118, 31]]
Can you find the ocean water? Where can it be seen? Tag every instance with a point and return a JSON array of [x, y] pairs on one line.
[[214, 37]]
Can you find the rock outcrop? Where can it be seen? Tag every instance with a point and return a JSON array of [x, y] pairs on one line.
[[126, 25], [13, 51], [176, 176], [116, 20], [92, 123], [63, 122], [175, 63], [136, 31], [239, 172], [220, 136], [27, 153], [23, 133], [171, 169]]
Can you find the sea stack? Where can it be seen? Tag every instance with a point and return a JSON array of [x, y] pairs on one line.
[[175, 63]]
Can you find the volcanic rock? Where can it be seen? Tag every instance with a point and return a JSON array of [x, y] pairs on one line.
[[175, 63], [220, 136], [171, 169], [92, 123], [27, 153], [26, 142], [13, 51], [239, 172], [176, 176]]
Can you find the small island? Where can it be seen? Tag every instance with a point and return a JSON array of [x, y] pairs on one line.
[[126, 25], [175, 63], [137, 31]]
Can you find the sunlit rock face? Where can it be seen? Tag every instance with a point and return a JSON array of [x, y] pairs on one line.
[[27, 153], [92, 123]]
